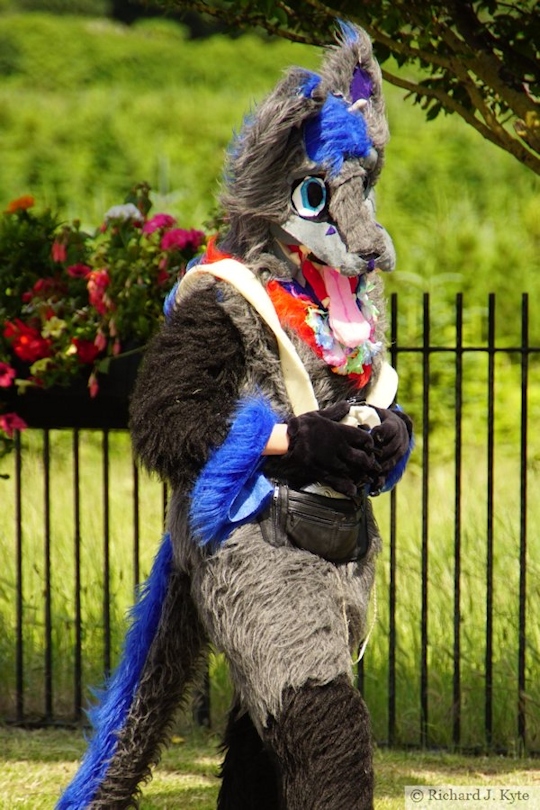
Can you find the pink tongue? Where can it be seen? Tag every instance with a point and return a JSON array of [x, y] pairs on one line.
[[346, 321]]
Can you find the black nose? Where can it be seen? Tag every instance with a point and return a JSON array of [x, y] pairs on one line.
[[371, 260]]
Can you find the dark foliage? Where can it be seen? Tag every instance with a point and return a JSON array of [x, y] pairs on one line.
[[477, 58]]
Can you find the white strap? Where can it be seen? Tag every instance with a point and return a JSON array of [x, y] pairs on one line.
[[297, 382], [296, 378]]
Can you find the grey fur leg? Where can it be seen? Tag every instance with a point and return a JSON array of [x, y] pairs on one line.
[[249, 772], [322, 739], [282, 616], [171, 665]]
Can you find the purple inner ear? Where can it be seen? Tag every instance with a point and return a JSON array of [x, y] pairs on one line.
[[361, 84]]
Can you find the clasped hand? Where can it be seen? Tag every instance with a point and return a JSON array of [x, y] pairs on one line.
[[344, 457]]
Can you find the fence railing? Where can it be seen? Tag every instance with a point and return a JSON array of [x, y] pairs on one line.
[[453, 659]]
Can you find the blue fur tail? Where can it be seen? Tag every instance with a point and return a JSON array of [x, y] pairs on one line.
[[109, 717]]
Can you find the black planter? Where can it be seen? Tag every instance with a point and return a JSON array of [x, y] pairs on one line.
[[73, 407]]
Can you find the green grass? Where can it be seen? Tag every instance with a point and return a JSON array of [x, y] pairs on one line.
[[37, 764], [506, 522]]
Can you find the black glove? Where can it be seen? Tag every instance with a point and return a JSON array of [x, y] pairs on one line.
[[320, 449], [391, 441]]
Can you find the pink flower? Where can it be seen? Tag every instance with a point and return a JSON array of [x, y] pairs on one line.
[[93, 385], [7, 375], [98, 281], [58, 252], [78, 270], [10, 422], [158, 222], [100, 341], [180, 239]]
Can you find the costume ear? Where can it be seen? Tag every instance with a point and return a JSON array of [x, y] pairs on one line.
[[350, 70], [267, 149]]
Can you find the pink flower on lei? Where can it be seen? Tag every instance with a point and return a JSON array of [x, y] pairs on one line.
[[10, 422]]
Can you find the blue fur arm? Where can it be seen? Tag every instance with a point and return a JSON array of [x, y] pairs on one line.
[[231, 488]]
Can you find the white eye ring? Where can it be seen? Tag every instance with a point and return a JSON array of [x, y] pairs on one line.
[[309, 197]]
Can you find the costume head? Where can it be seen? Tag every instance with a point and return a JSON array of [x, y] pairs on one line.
[[301, 172]]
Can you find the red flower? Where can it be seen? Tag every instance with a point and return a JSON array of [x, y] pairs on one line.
[[58, 252], [10, 422], [20, 204], [27, 342], [87, 351], [78, 270], [98, 281], [162, 276], [47, 287], [179, 239], [7, 375]]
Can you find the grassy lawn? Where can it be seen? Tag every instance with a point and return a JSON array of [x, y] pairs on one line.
[[37, 764]]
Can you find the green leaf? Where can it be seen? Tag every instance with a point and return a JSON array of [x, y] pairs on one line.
[[104, 365]]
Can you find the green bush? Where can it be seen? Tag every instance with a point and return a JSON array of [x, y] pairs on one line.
[[109, 106], [89, 8]]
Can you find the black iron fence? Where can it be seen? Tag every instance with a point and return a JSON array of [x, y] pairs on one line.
[[453, 657]]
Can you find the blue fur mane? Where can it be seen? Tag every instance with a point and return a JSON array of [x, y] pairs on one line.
[[335, 134], [348, 32], [109, 717]]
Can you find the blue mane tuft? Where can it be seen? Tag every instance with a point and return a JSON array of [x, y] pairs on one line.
[[348, 32], [335, 134]]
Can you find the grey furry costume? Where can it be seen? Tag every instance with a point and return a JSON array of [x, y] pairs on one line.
[[298, 201]]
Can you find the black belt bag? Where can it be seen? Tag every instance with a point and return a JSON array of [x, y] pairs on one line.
[[333, 528]]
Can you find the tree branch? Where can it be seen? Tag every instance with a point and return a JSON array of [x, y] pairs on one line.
[[485, 62], [501, 138]]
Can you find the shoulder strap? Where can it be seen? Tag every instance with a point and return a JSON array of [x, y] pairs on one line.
[[296, 378]]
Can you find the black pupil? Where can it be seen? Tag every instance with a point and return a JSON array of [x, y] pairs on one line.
[[314, 194]]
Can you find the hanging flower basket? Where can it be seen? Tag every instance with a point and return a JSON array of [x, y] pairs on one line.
[[71, 406], [77, 310]]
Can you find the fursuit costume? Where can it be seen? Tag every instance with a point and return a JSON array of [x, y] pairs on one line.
[[269, 556]]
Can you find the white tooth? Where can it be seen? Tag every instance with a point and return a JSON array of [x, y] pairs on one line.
[[360, 105]]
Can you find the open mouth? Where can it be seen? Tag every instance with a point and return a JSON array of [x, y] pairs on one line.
[[337, 294]]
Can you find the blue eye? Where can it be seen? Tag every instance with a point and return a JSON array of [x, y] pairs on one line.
[[309, 197]]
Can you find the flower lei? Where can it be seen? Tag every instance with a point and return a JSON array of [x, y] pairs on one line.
[[303, 309]]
